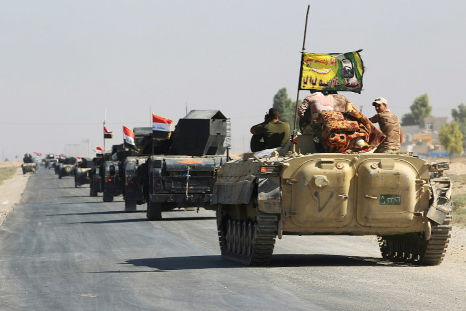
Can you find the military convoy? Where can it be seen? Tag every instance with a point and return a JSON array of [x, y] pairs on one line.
[[402, 199]]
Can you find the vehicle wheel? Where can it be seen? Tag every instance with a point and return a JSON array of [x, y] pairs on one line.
[[24, 172], [130, 206], [154, 210], [108, 197]]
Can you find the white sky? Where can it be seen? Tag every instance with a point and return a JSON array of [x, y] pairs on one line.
[[62, 63]]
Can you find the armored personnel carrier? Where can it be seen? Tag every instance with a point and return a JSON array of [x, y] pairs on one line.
[[29, 165], [66, 168], [183, 176], [402, 199], [82, 170]]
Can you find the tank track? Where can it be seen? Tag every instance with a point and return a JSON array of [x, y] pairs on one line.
[[245, 241], [413, 248]]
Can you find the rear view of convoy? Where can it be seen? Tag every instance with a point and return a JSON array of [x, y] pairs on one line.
[[165, 173]]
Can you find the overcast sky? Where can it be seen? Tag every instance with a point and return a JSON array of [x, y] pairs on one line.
[[62, 63]]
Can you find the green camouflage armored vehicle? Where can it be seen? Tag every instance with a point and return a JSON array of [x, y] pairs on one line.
[[402, 199]]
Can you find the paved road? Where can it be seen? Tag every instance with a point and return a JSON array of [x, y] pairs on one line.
[[63, 250]]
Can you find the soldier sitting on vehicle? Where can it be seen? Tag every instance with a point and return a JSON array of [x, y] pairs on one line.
[[273, 132], [389, 125]]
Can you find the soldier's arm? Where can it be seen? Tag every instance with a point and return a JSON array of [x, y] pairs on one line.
[[374, 119]]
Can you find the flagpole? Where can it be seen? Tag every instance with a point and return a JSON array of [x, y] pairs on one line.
[[299, 82], [103, 129]]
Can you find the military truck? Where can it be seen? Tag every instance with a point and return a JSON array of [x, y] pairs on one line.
[[28, 165], [183, 176], [404, 200], [67, 167], [82, 170]]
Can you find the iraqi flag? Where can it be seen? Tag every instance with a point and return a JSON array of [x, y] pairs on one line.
[[161, 127], [107, 133], [99, 151], [37, 154], [128, 138]]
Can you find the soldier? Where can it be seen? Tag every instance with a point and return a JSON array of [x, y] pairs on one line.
[[274, 132], [389, 125]]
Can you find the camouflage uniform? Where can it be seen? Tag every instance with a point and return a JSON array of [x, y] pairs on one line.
[[390, 126]]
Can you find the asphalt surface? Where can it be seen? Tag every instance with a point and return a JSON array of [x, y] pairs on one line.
[[63, 250]]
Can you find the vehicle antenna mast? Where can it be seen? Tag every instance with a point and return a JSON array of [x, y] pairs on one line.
[[299, 83]]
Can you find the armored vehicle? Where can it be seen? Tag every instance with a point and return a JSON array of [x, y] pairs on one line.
[[29, 165], [181, 172], [96, 175], [135, 169], [67, 167], [59, 164], [134, 183], [82, 170], [402, 199], [113, 174]]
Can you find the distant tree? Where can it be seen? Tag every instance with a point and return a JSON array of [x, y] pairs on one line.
[[285, 105], [420, 109], [460, 117], [451, 138]]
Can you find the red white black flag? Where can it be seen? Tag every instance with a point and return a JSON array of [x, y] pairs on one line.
[[161, 127], [99, 151], [128, 138], [107, 133]]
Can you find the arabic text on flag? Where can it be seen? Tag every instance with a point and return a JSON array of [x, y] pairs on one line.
[[332, 72]]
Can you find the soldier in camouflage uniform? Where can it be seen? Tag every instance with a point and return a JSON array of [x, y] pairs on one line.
[[389, 125]]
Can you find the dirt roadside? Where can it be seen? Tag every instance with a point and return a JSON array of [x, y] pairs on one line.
[[11, 190]]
